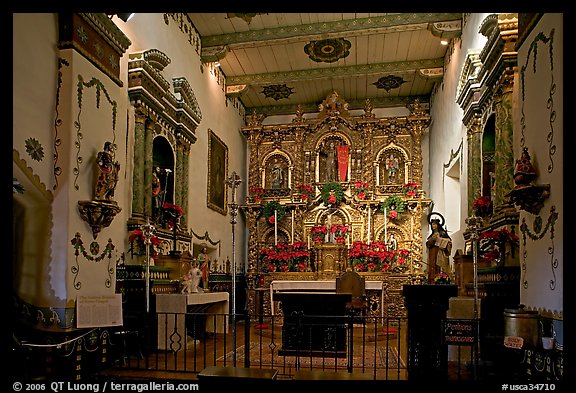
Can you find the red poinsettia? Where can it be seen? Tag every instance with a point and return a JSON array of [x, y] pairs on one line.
[[256, 193], [361, 189], [138, 243], [410, 189], [305, 191], [318, 233]]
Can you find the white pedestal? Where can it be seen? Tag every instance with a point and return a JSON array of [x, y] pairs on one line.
[[172, 307]]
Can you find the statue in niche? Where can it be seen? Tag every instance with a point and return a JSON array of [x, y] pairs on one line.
[[277, 175], [330, 161], [392, 167]]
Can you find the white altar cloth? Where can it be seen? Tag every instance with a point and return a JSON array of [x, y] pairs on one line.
[[177, 303], [315, 286]]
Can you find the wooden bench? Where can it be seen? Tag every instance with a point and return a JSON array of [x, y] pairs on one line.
[[310, 375], [229, 372]]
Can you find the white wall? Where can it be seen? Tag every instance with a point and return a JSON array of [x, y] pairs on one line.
[[149, 31], [542, 257]]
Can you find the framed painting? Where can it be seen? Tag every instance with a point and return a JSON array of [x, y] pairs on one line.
[[217, 173]]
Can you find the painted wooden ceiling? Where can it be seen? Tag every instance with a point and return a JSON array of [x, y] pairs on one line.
[[274, 61]]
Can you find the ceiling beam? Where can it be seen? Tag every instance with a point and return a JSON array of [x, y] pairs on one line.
[[349, 27], [333, 72], [312, 107]]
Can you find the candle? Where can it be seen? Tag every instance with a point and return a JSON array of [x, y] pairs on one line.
[[275, 228], [385, 229], [292, 229], [368, 224], [308, 241]]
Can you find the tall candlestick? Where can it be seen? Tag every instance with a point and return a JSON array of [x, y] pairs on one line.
[[292, 229], [385, 229], [275, 228], [369, 224]]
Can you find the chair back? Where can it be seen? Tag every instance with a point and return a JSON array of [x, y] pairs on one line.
[[351, 282]]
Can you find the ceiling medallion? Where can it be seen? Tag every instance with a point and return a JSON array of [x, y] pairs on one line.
[[328, 50], [277, 91], [245, 16], [389, 82]]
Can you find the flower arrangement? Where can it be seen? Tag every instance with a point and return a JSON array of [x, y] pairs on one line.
[[441, 278], [173, 212], [361, 189], [393, 206], [375, 257], [256, 193], [269, 210], [410, 189], [305, 191], [138, 243], [332, 194], [482, 206], [318, 233], [340, 232], [493, 244], [285, 257]]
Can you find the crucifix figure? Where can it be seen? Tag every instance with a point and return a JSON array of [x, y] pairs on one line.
[[233, 182]]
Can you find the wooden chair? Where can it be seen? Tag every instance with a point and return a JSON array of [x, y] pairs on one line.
[[351, 282]]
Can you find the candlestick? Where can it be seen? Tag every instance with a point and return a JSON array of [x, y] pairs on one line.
[[385, 229], [369, 224], [275, 228], [292, 228]]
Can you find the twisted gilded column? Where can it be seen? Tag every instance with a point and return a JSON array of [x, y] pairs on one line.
[[418, 121], [504, 155], [138, 171], [179, 175], [253, 172], [183, 185], [368, 156], [148, 160], [474, 134]]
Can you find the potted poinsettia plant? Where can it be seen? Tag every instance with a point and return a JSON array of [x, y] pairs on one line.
[[410, 189], [493, 245], [482, 206], [318, 233], [285, 257], [339, 232], [138, 243], [305, 191], [376, 257], [361, 189], [256, 194]]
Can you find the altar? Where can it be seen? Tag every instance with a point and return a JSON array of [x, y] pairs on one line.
[[171, 309], [322, 286]]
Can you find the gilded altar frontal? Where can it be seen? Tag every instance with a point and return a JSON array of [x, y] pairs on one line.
[[336, 193]]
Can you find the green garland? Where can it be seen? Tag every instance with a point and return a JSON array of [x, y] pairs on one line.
[[272, 206], [393, 202], [338, 192]]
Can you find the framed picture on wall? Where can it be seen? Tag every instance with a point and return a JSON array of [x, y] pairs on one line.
[[217, 173]]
